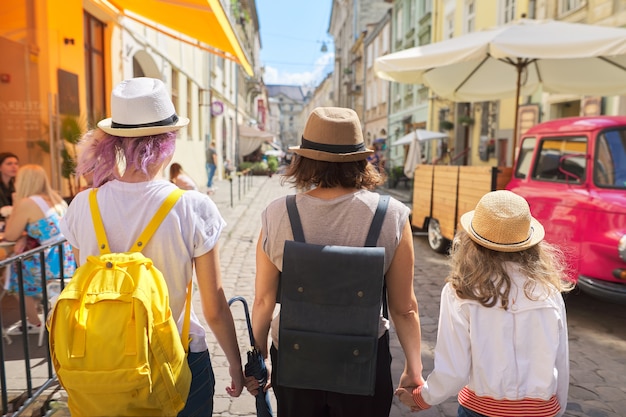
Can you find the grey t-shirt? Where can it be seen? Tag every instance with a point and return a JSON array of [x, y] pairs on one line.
[[344, 220]]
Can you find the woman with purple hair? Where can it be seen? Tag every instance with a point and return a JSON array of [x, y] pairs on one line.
[[125, 155]]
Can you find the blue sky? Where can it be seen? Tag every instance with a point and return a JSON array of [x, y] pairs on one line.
[[292, 33]]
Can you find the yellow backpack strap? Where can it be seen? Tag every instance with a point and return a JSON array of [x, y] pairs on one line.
[[156, 220], [101, 235], [145, 236]]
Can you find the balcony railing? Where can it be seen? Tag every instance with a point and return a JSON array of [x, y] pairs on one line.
[[27, 371]]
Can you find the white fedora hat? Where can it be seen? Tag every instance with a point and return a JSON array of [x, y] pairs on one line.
[[502, 222], [141, 107]]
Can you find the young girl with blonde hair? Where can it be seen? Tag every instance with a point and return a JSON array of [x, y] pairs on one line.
[[502, 339], [37, 213]]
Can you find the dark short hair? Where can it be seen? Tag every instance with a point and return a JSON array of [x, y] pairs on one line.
[[305, 173], [5, 155]]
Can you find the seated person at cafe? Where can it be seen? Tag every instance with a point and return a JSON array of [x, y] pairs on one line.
[[35, 221]]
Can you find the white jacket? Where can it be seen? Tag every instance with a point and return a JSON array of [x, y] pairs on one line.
[[515, 354]]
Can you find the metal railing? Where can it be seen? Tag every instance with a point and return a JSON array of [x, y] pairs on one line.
[[12, 357], [244, 179]]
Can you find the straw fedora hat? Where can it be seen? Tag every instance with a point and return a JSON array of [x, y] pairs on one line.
[[141, 107], [332, 134], [502, 222]]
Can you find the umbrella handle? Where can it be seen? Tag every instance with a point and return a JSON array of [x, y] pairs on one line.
[[247, 312]]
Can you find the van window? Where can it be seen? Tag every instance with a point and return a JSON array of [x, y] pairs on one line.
[[525, 156], [562, 160], [609, 166]]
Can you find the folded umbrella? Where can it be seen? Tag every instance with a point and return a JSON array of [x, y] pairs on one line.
[[255, 366]]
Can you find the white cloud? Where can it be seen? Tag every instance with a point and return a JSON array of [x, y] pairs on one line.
[[322, 66]]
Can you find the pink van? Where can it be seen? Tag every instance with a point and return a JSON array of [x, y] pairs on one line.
[[572, 172]]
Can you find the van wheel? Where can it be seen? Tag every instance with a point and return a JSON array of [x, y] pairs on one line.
[[437, 242]]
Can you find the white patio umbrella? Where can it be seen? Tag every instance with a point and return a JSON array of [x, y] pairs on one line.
[[414, 153], [419, 134], [516, 59]]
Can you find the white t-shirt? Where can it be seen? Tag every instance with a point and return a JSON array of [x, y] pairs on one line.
[[191, 229]]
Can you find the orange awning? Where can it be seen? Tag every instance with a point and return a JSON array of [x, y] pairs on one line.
[[204, 20]]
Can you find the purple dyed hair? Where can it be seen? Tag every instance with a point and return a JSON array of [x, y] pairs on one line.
[[101, 154]]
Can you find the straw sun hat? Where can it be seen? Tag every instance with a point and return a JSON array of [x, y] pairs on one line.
[[502, 222], [141, 107], [332, 134]]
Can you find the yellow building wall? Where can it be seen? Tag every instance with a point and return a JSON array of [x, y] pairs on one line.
[[41, 38], [486, 16]]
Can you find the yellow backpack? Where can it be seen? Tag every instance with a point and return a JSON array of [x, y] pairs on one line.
[[113, 341]]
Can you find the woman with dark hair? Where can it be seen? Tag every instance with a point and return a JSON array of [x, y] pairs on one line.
[[9, 164], [331, 169], [140, 137]]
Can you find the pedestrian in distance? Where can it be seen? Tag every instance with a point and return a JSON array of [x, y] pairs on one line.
[[179, 177], [142, 134], [502, 339], [211, 166], [335, 200], [35, 221]]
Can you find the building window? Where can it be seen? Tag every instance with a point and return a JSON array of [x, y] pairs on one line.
[[385, 40], [449, 26], [566, 6], [190, 114], [470, 16], [507, 8], [94, 69], [399, 17], [175, 94]]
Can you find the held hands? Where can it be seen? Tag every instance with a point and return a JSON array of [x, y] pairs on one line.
[[405, 395], [409, 384], [411, 397]]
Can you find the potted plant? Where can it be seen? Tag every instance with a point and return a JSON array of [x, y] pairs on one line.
[[272, 165], [466, 120], [446, 125]]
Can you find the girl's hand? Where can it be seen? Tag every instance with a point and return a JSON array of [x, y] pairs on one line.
[[405, 395]]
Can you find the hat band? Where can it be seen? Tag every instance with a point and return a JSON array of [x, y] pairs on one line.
[[165, 122], [478, 235], [307, 144]]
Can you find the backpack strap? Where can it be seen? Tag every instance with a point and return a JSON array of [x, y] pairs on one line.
[[145, 236], [372, 239], [294, 219], [372, 235], [377, 221]]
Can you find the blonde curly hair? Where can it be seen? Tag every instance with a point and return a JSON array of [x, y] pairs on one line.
[[480, 274]]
